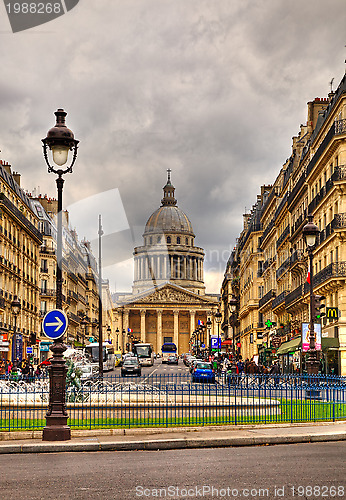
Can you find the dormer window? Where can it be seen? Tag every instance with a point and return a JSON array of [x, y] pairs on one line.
[[168, 239]]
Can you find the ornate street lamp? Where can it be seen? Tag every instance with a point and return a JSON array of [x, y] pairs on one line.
[[232, 306], [209, 323], [310, 232], [60, 140], [109, 331], [117, 333], [218, 318], [84, 324], [15, 308]]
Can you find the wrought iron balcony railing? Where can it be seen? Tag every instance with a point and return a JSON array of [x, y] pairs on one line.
[[280, 299], [283, 236], [283, 268], [267, 297]]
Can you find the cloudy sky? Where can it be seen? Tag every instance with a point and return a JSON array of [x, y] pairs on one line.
[[213, 89]]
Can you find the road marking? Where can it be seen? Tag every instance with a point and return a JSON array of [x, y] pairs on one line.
[[150, 374]]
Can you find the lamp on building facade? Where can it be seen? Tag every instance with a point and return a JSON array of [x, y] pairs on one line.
[[60, 140], [310, 232], [15, 308], [218, 318], [232, 306]]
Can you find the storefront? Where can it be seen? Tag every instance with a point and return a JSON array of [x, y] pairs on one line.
[[292, 360]]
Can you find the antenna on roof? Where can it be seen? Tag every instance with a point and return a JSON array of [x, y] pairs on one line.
[[331, 84]]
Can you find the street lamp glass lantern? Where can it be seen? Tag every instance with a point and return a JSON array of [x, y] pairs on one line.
[[232, 305], [218, 317], [60, 140], [310, 232], [60, 154], [15, 306]]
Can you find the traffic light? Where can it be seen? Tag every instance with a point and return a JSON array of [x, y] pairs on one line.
[[32, 339], [318, 306]]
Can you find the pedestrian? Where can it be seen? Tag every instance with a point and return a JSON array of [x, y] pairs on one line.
[[38, 372], [275, 370], [2, 369]]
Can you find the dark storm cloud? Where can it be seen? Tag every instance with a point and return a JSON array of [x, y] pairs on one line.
[[213, 90]]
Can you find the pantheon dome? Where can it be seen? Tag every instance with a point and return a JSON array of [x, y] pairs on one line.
[[168, 253]]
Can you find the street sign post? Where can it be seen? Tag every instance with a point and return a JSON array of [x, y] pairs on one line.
[[54, 324]]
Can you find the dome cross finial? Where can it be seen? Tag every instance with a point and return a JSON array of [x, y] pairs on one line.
[[169, 175]]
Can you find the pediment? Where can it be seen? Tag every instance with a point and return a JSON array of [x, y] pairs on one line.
[[169, 294]]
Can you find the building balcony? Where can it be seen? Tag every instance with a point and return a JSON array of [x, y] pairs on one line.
[[283, 237], [280, 299], [339, 173], [73, 295], [293, 296], [269, 262], [340, 127], [333, 270], [48, 292], [73, 317], [339, 222], [72, 277], [267, 230], [267, 297], [283, 268]]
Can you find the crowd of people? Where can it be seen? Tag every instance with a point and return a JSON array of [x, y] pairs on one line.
[[24, 370], [228, 364]]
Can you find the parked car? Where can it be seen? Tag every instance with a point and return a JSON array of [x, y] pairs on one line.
[[172, 359], [187, 359], [203, 372], [193, 363], [131, 366]]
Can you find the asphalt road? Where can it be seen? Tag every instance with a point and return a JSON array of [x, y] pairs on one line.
[[307, 471]]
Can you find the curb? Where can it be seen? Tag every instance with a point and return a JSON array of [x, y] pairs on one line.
[[170, 444], [37, 434]]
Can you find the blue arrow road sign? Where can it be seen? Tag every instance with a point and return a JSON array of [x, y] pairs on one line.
[[54, 324]]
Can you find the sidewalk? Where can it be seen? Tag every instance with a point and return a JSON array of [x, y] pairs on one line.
[[174, 438]]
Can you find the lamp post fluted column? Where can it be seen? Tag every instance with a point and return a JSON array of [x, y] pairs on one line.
[[310, 232], [60, 140]]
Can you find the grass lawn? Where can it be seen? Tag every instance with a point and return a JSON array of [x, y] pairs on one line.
[[300, 410]]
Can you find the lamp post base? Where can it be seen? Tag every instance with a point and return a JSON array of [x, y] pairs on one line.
[[56, 429], [313, 363], [56, 419]]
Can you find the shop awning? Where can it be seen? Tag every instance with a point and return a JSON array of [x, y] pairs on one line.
[[226, 342], [293, 345], [290, 346], [330, 343]]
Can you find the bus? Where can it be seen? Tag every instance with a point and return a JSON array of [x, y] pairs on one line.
[[144, 353], [92, 352], [167, 349]]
